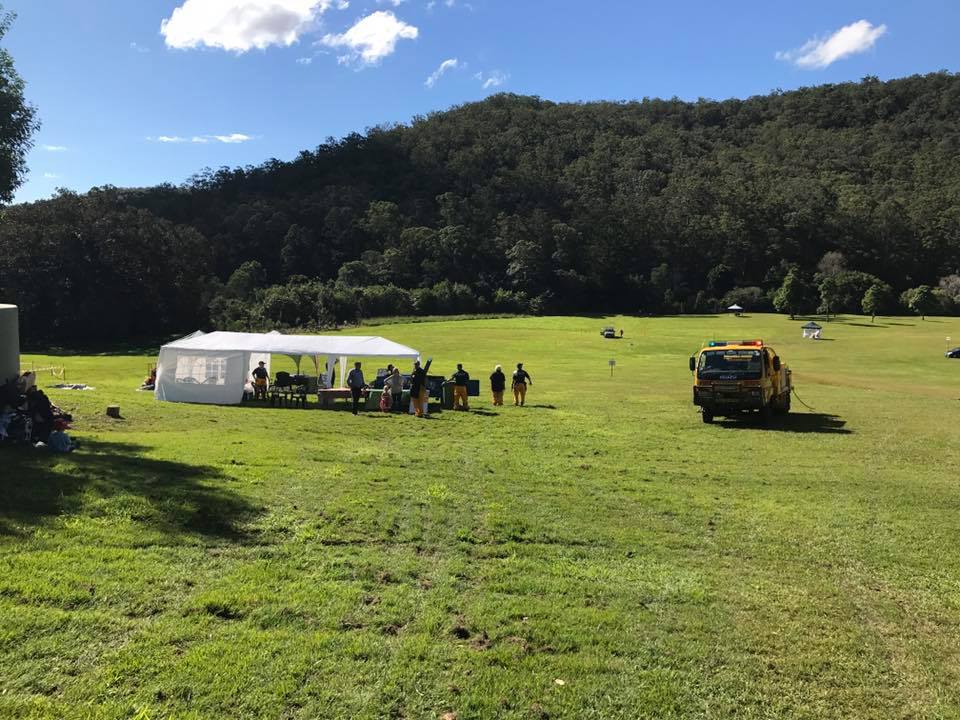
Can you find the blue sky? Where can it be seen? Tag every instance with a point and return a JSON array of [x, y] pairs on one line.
[[137, 92]]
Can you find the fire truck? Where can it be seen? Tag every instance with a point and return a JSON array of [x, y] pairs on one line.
[[739, 376]]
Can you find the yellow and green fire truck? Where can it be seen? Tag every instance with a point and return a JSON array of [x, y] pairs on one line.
[[739, 376]]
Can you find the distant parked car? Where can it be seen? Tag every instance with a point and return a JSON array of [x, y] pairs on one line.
[[954, 353], [608, 332]]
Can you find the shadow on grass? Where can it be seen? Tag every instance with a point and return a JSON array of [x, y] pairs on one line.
[[866, 325], [795, 423], [178, 498]]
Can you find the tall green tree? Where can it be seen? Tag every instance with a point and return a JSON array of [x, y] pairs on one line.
[[921, 300], [843, 291], [877, 299], [18, 120], [794, 295]]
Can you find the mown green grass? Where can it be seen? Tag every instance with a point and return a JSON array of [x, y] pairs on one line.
[[242, 562]]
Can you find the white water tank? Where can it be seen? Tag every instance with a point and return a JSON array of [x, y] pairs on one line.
[[9, 343]]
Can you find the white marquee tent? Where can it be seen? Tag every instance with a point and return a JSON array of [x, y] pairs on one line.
[[215, 367]]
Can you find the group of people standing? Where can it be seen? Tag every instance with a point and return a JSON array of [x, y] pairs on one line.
[[391, 397], [519, 381], [498, 385], [392, 394]]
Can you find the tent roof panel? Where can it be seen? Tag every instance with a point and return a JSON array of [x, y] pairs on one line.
[[339, 345]]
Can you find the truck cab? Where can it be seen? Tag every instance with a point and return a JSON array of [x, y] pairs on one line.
[[739, 376]]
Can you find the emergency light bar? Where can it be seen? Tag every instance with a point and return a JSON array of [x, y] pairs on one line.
[[723, 343]]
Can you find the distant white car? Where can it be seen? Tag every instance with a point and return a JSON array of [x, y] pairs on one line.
[[954, 353], [608, 332]]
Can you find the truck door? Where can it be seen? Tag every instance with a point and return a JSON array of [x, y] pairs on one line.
[[768, 369]]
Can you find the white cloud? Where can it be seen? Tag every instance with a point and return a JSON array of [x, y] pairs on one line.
[[451, 64], [233, 138], [493, 79], [54, 148], [241, 25], [372, 38], [849, 40], [139, 48], [304, 60], [395, 3], [51, 176]]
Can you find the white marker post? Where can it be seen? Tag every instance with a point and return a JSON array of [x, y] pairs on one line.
[[612, 363]]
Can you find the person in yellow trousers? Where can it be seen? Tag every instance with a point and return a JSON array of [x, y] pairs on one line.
[[460, 379], [521, 378], [419, 393], [498, 383], [260, 378]]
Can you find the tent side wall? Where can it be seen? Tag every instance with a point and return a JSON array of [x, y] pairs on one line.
[[213, 377]]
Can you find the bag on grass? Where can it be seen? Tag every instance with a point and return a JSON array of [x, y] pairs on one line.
[[59, 441]]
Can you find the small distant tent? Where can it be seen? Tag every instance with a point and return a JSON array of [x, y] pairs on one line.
[[812, 330], [215, 367], [736, 309]]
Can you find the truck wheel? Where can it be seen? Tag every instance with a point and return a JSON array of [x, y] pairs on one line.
[[707, 416]]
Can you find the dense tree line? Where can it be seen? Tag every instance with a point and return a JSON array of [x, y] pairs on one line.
[[517, 203]]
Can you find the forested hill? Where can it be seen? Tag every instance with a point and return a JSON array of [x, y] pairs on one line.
[[517, 203]]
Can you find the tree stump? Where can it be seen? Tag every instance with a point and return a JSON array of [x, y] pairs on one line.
[[113, 411]]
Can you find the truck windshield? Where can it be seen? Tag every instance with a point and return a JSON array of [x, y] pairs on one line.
[[730, 364]]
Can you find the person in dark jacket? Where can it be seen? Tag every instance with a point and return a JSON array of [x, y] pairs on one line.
[[460, 396], [40, 411], [520, 380], [260, 378], [357, 385], [498, 383], [418, 389]]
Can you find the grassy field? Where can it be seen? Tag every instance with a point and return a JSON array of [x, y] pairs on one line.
[[599, 553]]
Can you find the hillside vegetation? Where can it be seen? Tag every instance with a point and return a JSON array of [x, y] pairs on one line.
[[521, 204]]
